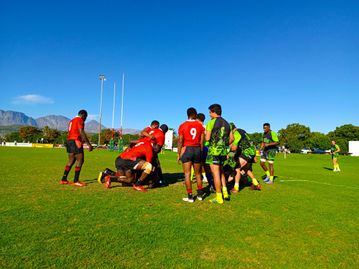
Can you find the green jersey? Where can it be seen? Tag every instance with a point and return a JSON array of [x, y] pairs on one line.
[[219, 139], [269, 138], [333, 150]]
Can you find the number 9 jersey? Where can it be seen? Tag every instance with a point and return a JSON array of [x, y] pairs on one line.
[[191, 130]]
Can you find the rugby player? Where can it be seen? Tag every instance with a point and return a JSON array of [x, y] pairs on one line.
[[190, 147], [137, 158], [74, 146], [245, 153], [268, 151], [334, 150], [218, 134]]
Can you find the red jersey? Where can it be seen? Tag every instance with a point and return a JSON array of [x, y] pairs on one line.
[[73, 127], [159, 136], [191, 131], [142, 149]]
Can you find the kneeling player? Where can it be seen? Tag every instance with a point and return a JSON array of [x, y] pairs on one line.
[[137, 158]]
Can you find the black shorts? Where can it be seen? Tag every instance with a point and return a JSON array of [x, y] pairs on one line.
[[71, 147], [249, 158], [191, 154], [125, 164]]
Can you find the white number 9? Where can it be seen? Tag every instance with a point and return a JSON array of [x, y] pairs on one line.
[[193, 133]]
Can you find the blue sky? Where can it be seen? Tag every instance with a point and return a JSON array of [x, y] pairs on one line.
[[264, 61]]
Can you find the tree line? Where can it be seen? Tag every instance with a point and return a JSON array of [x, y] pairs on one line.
[[294, 137]]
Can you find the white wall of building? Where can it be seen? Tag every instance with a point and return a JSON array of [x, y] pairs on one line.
[[354, 148], [168, 139]]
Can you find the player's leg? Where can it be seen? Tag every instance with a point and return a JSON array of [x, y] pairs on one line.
[[198, 170], [80, 159], [187, 166], [146, 168], [70, 163], [216, 172]]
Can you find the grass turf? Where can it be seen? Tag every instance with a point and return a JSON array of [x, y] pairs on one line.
[[307, 219]]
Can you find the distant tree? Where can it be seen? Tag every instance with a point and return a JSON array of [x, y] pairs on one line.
[[61, 139], [50, 135], [256, 138], [30, 133], [344, 134], [319, 140], [295, 136], [11, 137]]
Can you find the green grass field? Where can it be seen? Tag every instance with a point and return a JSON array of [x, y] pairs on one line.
[[307, 219]]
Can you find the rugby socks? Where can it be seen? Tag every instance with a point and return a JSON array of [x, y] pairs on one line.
[[255, 181], [236, 186], [189, 194], [219, 197], [204, 178], [267, 173], [271, 178], [77, 174], [138, 183], [225, 192], [66, 172]]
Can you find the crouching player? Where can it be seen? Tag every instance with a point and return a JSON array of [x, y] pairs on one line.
[[190, 147], [245, 152], [137, 158]]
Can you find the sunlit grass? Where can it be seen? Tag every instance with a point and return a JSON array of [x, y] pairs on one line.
[[307, 219]]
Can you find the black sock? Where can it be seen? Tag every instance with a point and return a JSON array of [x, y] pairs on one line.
[[138, 183], [66, 172], [77, 173]]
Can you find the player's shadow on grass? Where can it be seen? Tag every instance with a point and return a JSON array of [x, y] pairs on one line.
[[173, 178], [328, 168]]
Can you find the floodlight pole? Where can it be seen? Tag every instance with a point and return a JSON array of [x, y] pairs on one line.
[[123, 92], [102, 78], [113, 108]]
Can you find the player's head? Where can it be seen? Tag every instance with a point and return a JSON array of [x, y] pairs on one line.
[[191, 113], [201, 117], [155, 124], [156, 148], [232, 125], [215, 108], [334, 142], [164, 128], [83, 114], [266, 127]]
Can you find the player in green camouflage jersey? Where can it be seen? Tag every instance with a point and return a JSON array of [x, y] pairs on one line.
[[218, 136], [334, 150], [269, 150], [245, 153]]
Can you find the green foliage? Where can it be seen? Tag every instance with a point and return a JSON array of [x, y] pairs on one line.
[[30, 134], [344, 134], [294, 137], [318, 140], [306, 219], [256, 138], [14, 136]]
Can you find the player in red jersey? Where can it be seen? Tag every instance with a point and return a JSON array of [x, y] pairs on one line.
[[138, 158], [74, 146], [146, 132], [190, 147]]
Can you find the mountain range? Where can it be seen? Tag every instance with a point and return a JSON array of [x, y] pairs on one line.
[[58, 122]]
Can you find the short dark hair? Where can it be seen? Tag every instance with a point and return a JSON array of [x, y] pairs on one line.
[[191, 112], [201, 117], [266, 124], [216, 108], [164, 128], [82, 112], [232, 125], [155, 122]]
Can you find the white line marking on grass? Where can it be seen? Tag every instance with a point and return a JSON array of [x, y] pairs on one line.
[[322, 183]]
